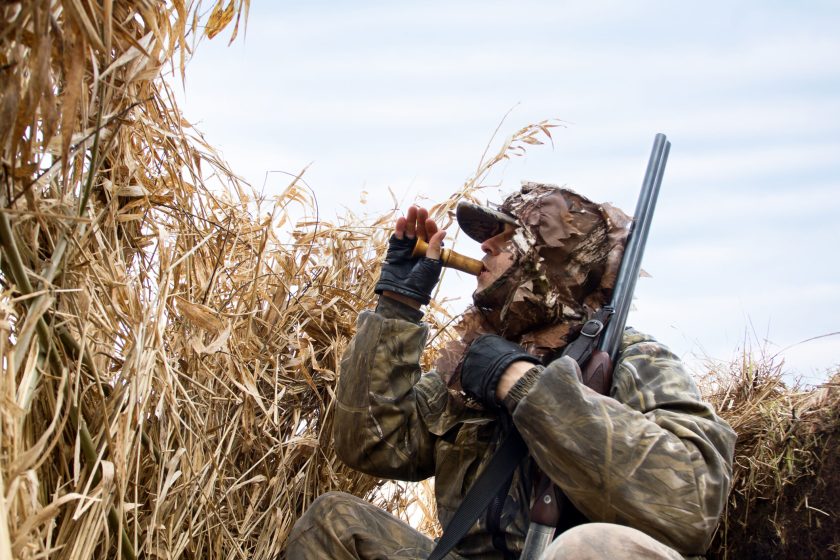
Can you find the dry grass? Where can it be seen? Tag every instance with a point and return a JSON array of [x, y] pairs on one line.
[[786, 487], [169, 341], [168, 363]]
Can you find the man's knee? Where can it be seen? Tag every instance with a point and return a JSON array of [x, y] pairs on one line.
[[322, 509], [325, 504], [597, 541], [342, 526], [316, 523]]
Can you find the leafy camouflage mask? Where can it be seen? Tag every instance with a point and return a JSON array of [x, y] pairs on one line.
[[567, 251]]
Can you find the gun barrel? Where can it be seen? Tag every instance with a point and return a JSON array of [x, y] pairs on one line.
[[631, 262], [450, 259]]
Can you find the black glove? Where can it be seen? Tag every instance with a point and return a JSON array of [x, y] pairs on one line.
[[486, 360], [413, 277]]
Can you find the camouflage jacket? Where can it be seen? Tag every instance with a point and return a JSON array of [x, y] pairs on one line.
[[651, 456]]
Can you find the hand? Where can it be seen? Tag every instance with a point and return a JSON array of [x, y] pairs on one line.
[[406, 278], [487, 359]]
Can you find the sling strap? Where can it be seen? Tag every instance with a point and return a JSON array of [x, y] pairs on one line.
[[510, 452], [581, 348], [481, 493]]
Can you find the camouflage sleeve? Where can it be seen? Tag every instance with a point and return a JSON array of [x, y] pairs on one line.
[[652, 455], [379, 427]]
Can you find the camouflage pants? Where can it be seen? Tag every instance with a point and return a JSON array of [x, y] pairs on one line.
[[341, 526]]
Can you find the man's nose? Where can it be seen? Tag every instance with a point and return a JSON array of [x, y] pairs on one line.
[[488, 248]]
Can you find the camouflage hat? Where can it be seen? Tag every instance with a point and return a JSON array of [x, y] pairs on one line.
[[481, 222]]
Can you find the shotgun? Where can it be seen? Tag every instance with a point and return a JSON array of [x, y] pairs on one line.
[[608, 324]]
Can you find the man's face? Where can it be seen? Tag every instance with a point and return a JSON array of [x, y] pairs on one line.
[[498, 257]]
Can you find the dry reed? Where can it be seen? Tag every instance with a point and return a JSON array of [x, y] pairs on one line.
[[169, 341], [167, 362], [785, 499]]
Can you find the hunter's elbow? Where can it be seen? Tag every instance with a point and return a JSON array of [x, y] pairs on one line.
[[347, 447]]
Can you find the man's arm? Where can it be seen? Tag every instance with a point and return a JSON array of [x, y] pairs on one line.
[[652, 456], [379, 427]]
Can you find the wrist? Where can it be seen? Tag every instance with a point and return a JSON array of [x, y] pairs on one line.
[[522, 387], [393, 309], [512, 374], [402, 299]]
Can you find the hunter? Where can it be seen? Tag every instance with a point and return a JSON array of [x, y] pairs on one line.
[[645, 470]]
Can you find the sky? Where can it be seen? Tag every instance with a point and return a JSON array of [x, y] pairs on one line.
[[403, 97]]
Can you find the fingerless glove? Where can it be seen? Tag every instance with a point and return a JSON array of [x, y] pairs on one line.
[[413, 277], [486, 360]]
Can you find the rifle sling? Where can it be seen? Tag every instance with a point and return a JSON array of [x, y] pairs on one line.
[[581, 348], [510, 452], [482, 492]]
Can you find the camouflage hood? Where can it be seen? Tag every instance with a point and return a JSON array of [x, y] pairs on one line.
[[567, 252]]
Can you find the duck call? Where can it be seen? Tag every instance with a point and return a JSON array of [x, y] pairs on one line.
[[450, 259]]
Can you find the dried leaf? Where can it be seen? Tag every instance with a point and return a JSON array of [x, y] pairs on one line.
[[219, 18], [199, 315], [74, 69]]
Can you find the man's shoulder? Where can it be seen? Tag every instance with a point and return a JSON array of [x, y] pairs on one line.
[[647, 371], [640, 347], [632, 338]]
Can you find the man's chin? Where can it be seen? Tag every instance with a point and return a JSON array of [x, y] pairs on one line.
[[492, 290], [487, 296], [476, 296]]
